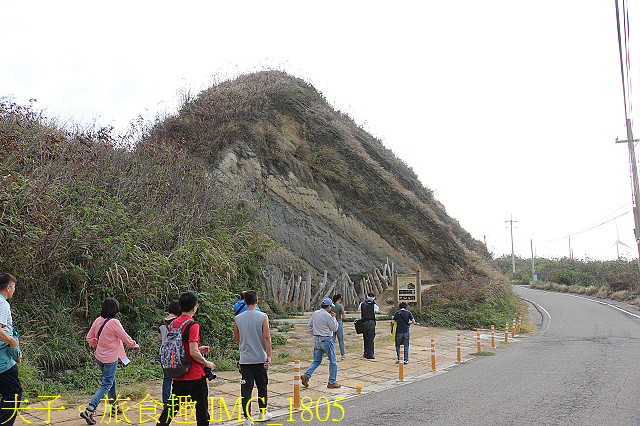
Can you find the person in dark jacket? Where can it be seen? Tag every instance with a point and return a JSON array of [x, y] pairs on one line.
[[368, 310], [404, 318]]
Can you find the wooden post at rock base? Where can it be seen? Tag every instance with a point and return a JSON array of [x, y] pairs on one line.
[[307, 295]]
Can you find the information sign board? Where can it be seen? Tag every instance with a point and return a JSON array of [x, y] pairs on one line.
[[406, 285]]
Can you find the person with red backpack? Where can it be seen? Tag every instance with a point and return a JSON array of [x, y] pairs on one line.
[[194, 381]]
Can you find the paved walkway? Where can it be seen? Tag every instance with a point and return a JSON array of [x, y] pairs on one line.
[[370, 375]]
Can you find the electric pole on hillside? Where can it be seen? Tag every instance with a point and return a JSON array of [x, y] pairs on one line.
[[630, 141], [513, 257], [534, 277]]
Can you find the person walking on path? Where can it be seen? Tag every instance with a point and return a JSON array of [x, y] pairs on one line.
[[174, 312], [368, 310], [340, 315], [241, 305], [251, 331], [106, 335], [194, 382], [322, 325], [404, 319], [10, 354]]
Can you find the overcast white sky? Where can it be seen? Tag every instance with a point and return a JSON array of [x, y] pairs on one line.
[[501, 107]]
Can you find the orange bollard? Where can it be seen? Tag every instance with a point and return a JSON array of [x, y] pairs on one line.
[[459, 349], [358, 389], [433, 355], [506, 333], [296, 384], [519, 323], [478, 341], [493, 338], [401, 365], [513, 329]]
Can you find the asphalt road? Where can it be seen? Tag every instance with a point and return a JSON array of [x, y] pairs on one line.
[[580, 369]]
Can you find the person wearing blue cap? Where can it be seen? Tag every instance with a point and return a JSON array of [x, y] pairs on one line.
[[322, 325]]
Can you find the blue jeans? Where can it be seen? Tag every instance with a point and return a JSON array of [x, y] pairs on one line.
[[321, 346], [11, 392], [108, 385], [402, 339], [340, 335], [166, 389]]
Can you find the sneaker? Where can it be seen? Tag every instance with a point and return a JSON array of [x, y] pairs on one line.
[[406, 362], [248, 422], [266, 416], [333, 385], [397, 361], [88, 416], [344, 357], [304, 379]]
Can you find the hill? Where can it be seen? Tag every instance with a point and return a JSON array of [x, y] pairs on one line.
[[338, 199], [251, 178]]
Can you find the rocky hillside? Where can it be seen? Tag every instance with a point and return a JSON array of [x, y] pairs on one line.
[[337, 199]]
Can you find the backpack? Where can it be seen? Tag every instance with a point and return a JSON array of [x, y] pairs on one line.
[[173, 356]]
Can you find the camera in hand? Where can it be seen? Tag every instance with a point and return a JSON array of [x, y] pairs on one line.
[[209, 373]]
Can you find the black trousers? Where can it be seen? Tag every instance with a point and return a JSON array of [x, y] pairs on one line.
[[11, 391], [253, 373], [369, 335], [199, 393]]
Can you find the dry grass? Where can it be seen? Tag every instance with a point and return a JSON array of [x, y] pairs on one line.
[[601, 292]]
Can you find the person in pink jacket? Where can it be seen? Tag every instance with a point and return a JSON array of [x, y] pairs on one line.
[[106, 336]]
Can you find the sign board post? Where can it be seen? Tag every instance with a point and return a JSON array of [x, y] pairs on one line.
[[408, 288]]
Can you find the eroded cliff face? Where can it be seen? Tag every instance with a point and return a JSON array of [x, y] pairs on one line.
[[338, 200], [310, 225]]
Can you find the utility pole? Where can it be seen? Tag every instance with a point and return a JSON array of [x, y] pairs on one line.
[[634, 190], [570, 251], [533, 265], [630, 141], [513, 257]]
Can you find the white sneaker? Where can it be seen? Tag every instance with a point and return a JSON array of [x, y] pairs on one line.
[[267, 416], [248, 422]]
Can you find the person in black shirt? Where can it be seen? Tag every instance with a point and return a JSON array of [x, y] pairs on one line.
[[368, 310]]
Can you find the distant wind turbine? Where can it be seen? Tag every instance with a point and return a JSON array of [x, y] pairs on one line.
[[618, 242]]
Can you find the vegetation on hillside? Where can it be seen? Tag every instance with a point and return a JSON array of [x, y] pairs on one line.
[[615, 274], [469, 302], [606, 279], [82, 218], [261, 110]]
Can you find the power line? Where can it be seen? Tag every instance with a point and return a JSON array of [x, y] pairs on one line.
[[584, 230]]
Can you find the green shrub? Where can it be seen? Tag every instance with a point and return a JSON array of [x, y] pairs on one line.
[[278, 340], [468, 304], [84, 218]]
